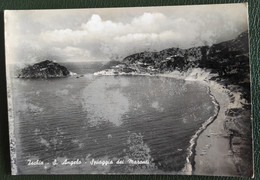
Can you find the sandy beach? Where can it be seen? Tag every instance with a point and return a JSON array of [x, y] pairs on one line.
[[216, 151], [213, 155]]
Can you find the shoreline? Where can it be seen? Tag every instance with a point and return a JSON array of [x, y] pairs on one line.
[[213, 154], [213, 150], [190, 159], [210, 150]]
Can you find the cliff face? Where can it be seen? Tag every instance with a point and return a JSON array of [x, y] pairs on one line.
[[45, 69]]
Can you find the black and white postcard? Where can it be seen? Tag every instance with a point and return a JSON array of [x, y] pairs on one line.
[[138, 90]]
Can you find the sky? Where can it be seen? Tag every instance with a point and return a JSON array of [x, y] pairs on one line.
[[114, 33]]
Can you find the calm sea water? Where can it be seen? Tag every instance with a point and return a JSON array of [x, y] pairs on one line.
[[93, 116]]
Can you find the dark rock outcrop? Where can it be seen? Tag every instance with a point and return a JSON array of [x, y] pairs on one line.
[[45, 69]]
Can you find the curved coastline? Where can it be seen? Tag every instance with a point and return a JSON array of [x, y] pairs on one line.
[[190, 162], [212, 151], [202, 77]]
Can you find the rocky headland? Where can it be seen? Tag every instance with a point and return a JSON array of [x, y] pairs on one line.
[[225, 68], [45, 69]]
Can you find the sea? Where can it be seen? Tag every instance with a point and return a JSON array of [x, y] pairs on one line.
[[86, 118]]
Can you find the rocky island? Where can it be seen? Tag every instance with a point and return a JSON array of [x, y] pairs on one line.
[[45, 69], [224, 67]]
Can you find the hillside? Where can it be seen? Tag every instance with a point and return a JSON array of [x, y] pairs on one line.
[[45, 69], [228, 65]]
